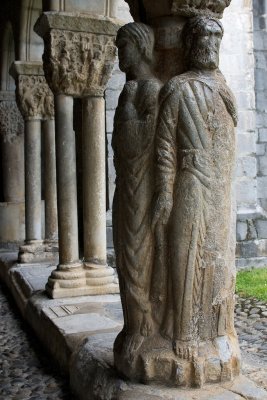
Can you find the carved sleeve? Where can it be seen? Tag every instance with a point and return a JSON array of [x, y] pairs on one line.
[[166, 143]]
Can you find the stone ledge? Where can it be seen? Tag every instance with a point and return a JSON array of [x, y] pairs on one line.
[[79, 334]]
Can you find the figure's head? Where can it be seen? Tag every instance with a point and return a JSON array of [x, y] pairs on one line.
[[202, 38], [135, 42]]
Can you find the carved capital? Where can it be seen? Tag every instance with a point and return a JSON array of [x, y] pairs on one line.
[[191, 8], [11, 121], [78, 64], [34, 98], [145, 10]]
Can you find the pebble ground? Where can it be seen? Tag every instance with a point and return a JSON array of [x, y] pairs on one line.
[[26, 372]]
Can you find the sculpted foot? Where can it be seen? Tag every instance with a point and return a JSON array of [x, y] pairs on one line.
[[185, 350]]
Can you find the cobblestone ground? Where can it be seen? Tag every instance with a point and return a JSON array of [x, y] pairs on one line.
[[25, 370], [27, 373], [251, 326]]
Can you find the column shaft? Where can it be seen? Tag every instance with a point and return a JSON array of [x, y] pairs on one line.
[[33, 205], [13, 167], [51, 225], [66, 181], [94, 176]]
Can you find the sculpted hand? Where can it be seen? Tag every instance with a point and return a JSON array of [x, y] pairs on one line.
[[162, 209]]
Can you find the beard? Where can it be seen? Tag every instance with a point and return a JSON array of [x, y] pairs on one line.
[[204, 58]]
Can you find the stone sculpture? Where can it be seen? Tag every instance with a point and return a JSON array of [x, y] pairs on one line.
[[175, 255], [133, 144], [76, 62]]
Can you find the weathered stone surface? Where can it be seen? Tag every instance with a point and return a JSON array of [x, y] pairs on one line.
[[177, 272], [147, 9], [12, 149], [87, 355], [79, 53]]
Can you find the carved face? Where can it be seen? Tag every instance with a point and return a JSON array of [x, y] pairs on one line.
[[205, 50], [129, 54]]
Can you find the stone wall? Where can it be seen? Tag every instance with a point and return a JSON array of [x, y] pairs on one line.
[[252, 222]]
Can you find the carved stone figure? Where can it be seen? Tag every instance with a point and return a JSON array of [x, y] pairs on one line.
[[175, 254], [133, 144], [195, 159]]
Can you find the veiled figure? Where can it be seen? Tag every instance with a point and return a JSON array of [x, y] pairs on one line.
[[195, 147], [133, 145]]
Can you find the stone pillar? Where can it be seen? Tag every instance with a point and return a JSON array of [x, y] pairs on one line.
[[94, 196], [12, 144], [51, 224], [33, 97], [85, 76]]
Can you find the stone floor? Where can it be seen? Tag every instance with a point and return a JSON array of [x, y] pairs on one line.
[[26, 371]]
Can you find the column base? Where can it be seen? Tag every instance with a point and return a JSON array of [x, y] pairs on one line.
[[37, 251], [68, 280], [77, 279], [152, 360], [100, 279]]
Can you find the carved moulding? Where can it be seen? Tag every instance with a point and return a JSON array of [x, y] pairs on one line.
[[78, 61], [11, 121]]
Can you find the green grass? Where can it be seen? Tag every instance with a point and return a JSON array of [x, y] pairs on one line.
[[252, 283]]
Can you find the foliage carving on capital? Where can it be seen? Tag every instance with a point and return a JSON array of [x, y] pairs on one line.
[[141, 10], [11, 121], [35, 99], [191, 8], [77, 63]]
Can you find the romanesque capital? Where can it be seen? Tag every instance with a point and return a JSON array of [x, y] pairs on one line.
[[145, 10], [191, 8], [34, 98], [78, 61], [11, 121]]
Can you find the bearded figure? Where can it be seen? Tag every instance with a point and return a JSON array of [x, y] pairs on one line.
[[195, 152]]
